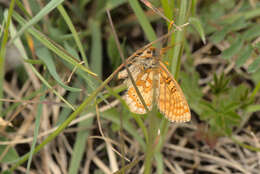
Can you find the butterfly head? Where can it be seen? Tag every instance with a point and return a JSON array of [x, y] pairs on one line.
[[148, 53], [147, 58]]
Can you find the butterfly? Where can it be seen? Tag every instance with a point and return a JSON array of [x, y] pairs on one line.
[[152, 77]]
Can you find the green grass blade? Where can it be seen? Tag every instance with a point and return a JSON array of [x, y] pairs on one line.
[[179, 36], [36, 132], [21, 49], [3, 49], [244, 55], [195, 22], [96, 49], [114, 116], [233, 49], [74, 33], [85, 103], [45, 55], [144, 22], [167, 9], [253, 108], [254, 66], [47, 9], [79, 146], [159, 163], [50, 44]]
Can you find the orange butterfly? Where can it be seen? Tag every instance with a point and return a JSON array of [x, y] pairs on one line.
[[145, 68]]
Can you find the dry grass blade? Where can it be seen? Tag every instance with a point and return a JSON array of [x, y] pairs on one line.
[[208, 157], [49, 131]]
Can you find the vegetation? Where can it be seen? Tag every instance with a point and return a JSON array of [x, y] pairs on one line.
[[61, 108]]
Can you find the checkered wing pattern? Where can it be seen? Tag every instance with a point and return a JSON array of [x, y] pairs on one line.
[[152, 77], [172, 102], [144, 83]]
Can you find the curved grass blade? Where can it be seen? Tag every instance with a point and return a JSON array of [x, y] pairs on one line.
[[46, 9], [52, 46], [45, 55]]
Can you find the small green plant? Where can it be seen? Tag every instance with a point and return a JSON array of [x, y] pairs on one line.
[[227, 103], [222, 109]]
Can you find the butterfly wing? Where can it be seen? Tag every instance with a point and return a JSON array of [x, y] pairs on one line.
[[144, 83], [171, 101]]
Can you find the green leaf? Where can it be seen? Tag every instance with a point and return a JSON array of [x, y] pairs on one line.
[[167, 8], [63, 115], [229, 107], [178, 40], [114, 116], [51, 45], [198, 26], [111, 4], [244, 55], [238, 24], [7, 172], [96, 48], [234, 26], [254, 66], [74, 32], [80, 146], [219, 84], [20, 47], [218, 121], [219, 35], [238, 93], [143, 20], [36, 130], [7, 21], [235, 118], [251, 33], [194, 96], [113, 53], [233, 49], [253, 108], [71, 50], [226, 4], [11, 155], [256, 77], [34, 6], [45, 10], [45, 55]]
